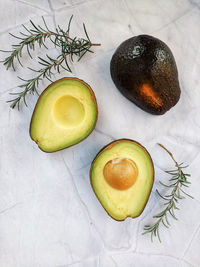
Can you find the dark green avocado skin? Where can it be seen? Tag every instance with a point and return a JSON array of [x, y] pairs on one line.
[[144, 59]]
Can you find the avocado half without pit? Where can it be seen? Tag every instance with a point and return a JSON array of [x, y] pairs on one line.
[[144, 70], [65, 114], [122, 176]]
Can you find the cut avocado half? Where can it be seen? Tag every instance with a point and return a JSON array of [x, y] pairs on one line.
[[65, 114], [122, 176]]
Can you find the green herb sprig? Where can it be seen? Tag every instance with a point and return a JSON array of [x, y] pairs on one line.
[[178, 180], [68, 47]]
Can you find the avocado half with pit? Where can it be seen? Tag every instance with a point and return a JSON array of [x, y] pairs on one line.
[[65, 114], [122, 176]]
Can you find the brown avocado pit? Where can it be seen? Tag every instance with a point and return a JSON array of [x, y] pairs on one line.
[[122, 176], [144, 70], [120, 173]]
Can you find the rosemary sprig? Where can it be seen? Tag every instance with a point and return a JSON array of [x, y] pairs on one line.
[[68, 47], [30, 86], [178, 180]]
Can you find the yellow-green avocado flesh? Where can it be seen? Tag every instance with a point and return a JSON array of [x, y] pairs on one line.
[[65, 114], [121, 204]]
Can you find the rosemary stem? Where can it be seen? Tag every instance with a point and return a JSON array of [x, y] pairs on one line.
[[29, 39], [51, 66], [95, 44], [171, 155], [179, 170]]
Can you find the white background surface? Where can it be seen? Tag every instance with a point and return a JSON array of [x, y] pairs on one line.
[[49, 216]]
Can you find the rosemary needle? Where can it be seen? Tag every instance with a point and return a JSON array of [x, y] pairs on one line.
[[178, 180]]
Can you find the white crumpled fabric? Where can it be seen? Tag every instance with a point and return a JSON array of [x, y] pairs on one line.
[[49, 215]]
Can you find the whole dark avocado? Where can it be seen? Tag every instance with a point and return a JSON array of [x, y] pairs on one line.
[[144, 70]]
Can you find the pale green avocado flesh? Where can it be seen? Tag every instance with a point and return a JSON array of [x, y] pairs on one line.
[[65, 114], [120, 204]]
